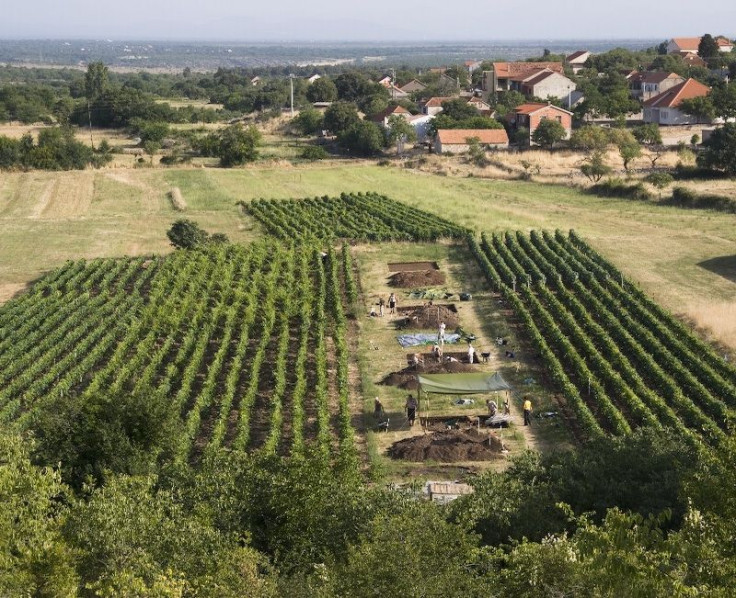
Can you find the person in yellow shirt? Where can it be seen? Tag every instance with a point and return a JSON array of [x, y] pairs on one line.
[[527, 411]]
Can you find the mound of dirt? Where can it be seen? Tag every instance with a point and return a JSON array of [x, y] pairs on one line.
[[430, 316], [415, 280], [407, 378], [451, 446]]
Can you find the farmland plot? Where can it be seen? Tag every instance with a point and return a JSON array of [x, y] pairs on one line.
[[620, 360], [235, 338]]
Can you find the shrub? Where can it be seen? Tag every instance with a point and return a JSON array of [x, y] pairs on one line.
[[690, 199], [618, 188], [314, 152], [659, 179]]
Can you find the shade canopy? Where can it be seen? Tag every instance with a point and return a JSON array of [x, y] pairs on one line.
[[462, 384]]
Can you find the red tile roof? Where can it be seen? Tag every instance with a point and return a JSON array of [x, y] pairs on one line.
[[514, 69], [538, 78], [436, 102], [461, 136], [689, 44], [391, 110], [532, 107], [722, 41], [692, 59], [654, 77], [575, 55], [674, 96]]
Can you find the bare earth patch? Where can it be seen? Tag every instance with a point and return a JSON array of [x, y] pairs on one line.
[[412, 266], [451, 446], [417, 280]]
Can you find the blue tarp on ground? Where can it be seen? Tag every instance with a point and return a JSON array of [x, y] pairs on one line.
[[423, 338]]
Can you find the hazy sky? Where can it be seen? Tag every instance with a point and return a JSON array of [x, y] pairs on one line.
[[375, 20]]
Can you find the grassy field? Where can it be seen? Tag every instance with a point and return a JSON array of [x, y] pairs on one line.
[[685, 259]]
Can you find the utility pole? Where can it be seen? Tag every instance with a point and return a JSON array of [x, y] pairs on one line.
[[291, 83], [89, 117]]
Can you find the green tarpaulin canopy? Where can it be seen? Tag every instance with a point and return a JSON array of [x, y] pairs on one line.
[[462, 384]]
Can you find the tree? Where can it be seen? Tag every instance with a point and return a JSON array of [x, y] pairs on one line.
[[309, 121], [720, 150], [133, 539], [590, 139], [322, 90], [187, 234], [648, 134], [723, 98], [237, 145], [96, 80], [700, 107], [412, 554], [352, 86], [364, 138], [549, 132], [628, 152], [399, 131], [476, 152], [458, 109], [34, 559], [708, 48], [340, 117], [596, 168]]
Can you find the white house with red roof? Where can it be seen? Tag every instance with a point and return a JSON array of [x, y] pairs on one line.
[[690, 45], [650, 83], [502, 73], [456, 141], [413, 86], [529, 115], [382, 117], [664, 109], [543, 84], [576, 61], [433, 105]]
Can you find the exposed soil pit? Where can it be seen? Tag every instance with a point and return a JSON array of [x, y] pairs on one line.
[[407, 378], [418, 279], [450, 446], [412, 266], [448, 422], [429, 316]]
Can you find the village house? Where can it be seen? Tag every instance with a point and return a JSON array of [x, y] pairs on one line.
[[663, 109], [455, 141], [472, 65], [382, 117], [413, 86], [385, 81], [397, 93], [421, 124], [529, 115], [433, 105], [649, 84], [313, 78], [678, 45], [484, 108], [576, 61], [692, 59], [255, 81], [500, 76], [543, 84]]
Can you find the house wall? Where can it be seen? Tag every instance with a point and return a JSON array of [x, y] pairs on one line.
[[562, 117], [421, 126], [432, 110], [554, 86], [462, 148], [673, 48], [668, 116]]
